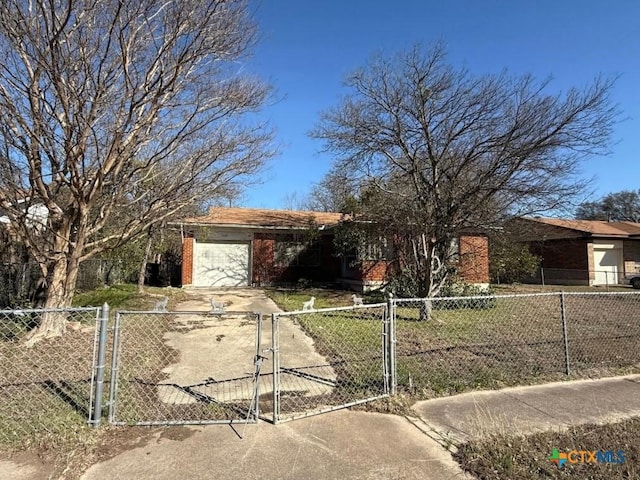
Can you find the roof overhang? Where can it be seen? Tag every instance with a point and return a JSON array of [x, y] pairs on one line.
[[249, 226]]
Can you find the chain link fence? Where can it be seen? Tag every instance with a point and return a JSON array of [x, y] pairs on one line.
[[207, 367], [610, 279], [603, 331], [45, 388], [328, 359], [443, 346], [185, 368]]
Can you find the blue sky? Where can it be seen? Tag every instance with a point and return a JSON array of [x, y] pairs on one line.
[[307, 48]]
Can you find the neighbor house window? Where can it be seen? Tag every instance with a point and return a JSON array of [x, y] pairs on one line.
[[297, 250]]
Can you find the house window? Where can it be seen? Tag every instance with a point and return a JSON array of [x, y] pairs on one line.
[[375, 248], [297, 250]]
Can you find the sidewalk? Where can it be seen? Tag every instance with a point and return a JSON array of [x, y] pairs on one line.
[[339, 445], [347, 444], [524, 410], [355, 444]]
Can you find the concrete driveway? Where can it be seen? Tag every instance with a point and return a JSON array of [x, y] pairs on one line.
[[342, 445], [222, 348]]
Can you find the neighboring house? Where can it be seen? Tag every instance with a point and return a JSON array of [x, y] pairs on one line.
[[581, 252], [242, 246], [36, 214]]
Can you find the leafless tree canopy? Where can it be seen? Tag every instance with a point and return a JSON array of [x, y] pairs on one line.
[[127, 107], [335, 192], [448, 150], [617, 206]]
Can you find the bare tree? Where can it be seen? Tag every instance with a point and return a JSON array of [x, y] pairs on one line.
[[443, 150], [294, 201], [617, 206], [132, 108], [334, 193]]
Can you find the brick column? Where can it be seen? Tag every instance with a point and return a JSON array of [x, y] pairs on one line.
[[474, 259], [187, 261]]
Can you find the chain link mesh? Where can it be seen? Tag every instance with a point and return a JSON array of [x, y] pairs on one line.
[[198, 367], [47, 387], [603, 331], [447, 345], [185, 368], [329, 359]]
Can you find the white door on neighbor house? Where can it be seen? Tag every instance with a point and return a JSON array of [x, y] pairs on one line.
[[607, 265], [221, 264]]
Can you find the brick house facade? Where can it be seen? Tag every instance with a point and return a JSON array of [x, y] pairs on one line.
[[267, 269], [240, 246], [581, 252]]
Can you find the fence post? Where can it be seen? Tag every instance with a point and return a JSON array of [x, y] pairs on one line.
[[391, 343], [99, 366], [258, 365], [113, 387], [275, 351], [386, 362], [563, 313]]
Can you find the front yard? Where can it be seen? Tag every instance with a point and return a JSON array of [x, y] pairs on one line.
[[293, 299], [487, 343]]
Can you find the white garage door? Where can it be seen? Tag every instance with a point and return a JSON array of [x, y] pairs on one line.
[[606, 264], [221, 264]]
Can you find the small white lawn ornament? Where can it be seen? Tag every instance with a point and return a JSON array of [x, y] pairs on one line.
[[356, 300], [161, 305], [309, 304], [216, 307]]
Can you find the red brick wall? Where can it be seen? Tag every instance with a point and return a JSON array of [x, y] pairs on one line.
[[374, 271], [187, 261], [473, 266], [563, 254], [474, 259], [263, 258], [565, 260], [265, 270]]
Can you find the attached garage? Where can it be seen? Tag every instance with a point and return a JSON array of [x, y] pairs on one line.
[[607, 260], [581, 252], [221, 264]]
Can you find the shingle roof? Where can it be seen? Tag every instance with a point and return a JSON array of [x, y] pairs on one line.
[[254, 217], [629, 227], [594, 227]]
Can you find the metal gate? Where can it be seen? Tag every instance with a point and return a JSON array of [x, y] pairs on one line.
[[328, 359], [172, 368]]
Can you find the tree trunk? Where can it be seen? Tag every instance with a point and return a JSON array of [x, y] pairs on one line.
[[435, 276], [425, 309], [145, 259], [60, 286], [52, 324]]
